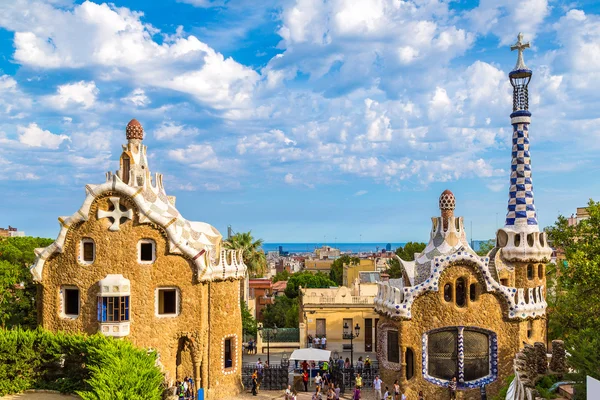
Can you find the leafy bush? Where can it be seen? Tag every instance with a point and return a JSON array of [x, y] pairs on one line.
[[69, 363], [122, 372]]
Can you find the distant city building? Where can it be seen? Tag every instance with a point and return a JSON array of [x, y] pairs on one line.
[[317, 265], [11, 232], [260, 293], [327, 253], [582, 213], [352, 272]]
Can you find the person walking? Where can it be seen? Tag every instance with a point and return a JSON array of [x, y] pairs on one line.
[[377, 387], [356, 394], [318, 342], [386, 395], [255, 383], [323, 342], [337, 391], [288, 393], [358, 380], [396, 390], [305, 380], [317, 394], [452, 388], [318, 380]]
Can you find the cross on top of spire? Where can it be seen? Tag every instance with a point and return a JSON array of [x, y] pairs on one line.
[[520, 47]]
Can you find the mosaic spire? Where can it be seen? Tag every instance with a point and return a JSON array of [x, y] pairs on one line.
[[521, 214]]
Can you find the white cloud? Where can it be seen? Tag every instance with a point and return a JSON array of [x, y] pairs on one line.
[[201, 156], [137, 97], [34, 136], [505, 18], [170, 130], [290, 179], [361, 193], [115, 39], [81, 93]]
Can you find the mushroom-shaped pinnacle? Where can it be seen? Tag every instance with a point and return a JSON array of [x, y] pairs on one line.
[[447, 203], [134, 130]]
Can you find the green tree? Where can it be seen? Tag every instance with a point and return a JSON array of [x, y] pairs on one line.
[[574, 293], [336, 273], [17, 290], [485, 247], [281, 276], [283, 313], [407, 253], [248, 321], [254, 257], [306, 280]]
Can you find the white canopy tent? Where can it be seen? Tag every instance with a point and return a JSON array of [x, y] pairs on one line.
[[310, 354]]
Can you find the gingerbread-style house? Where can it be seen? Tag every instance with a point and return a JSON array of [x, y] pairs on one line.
[[129, 265], [454, 314]]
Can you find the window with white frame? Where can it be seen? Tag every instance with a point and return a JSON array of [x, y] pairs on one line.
[[87, 251], [467, 354], [114, 305], [167, 302], [146, 251], [70, 301]]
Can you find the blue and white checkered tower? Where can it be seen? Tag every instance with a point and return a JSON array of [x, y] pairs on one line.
[[520, 246], [521, 216]]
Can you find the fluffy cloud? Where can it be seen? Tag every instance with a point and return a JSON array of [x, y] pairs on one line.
[[171, 130], [81, 93], [201, 156], [504, 18], [34, 136], [101, 35], [137, 97]]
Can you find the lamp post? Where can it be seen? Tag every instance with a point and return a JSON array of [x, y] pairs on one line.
[[268, 334], [348, 334]]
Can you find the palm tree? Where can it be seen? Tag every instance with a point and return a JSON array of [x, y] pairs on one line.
[[254, 257]]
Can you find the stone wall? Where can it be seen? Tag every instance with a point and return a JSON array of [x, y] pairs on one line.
[[225, 321]]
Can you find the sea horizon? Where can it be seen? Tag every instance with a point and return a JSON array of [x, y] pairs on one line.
[[309, 247]]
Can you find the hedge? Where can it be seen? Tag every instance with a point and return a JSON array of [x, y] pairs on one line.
[[95, 367]]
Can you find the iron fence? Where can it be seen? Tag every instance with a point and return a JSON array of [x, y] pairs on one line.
[[273, 378]]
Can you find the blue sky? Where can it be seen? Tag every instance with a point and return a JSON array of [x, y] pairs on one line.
[[298, 119]]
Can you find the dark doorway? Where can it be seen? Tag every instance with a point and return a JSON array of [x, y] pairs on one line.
[[368, 334]]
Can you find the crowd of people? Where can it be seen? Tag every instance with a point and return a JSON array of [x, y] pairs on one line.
[[185, 389]]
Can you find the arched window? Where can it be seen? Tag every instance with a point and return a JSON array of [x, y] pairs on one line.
[[448, 292], [530, 272], [473, 292], [410, 363], [529, 329], [540, 271], [461, 292]]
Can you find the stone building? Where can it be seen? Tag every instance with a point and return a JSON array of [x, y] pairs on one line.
[[129, 265], [456, 314]]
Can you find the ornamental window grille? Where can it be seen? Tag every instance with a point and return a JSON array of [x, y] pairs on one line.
[[464, 353], [393, 351], [113, 309]]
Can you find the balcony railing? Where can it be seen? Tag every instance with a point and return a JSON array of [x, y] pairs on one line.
[[344, 300]]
